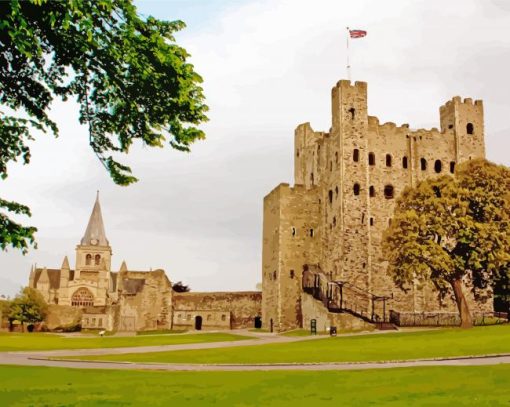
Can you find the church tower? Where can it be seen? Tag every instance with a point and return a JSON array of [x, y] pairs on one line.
[[93, 254]]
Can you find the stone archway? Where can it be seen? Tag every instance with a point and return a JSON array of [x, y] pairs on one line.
[[198, 323]]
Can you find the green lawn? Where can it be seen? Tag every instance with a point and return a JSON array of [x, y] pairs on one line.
[[38, 341], [426, 386], [388, 346]]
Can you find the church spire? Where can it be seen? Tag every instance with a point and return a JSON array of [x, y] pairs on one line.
[[95, 235]]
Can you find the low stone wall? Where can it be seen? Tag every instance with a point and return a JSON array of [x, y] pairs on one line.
[[441, 318], [62, 317], [219, 310]]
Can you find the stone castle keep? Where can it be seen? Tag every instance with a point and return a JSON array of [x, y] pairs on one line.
[[93, 296], [322, 237], [321, 256]]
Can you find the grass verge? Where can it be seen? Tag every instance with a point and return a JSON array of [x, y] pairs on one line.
[[38, 341], [425, 386], [373, 347]]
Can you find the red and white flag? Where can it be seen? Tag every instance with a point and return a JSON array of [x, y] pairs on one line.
[[357, 33]]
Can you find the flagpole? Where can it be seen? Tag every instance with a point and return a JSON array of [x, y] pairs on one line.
[[348, 64]]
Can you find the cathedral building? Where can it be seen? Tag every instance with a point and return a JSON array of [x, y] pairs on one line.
[[93, 296], [125, 300], [322, 256]]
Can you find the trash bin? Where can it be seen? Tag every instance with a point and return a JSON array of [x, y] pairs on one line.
[[332, 331]]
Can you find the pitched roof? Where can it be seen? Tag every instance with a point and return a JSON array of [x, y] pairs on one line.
[[95, 228], [53, 276]]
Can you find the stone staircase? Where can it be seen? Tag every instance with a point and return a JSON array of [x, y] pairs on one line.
[[343, 297]]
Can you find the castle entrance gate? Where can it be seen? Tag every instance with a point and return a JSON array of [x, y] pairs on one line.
[[198, 322]]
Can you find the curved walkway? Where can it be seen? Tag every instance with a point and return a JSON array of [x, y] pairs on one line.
[[44, 358], [25, 360]]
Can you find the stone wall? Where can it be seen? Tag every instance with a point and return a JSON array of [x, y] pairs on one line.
[[347, 181], [314, 309], [145, 300], [62, 317], [218, 310]]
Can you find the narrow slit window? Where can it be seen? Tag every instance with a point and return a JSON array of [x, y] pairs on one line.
[[404, 162], [330, 195], [311, 233], [352, 111], [291, 274], [438, 166], [293, 231], [356, 189], [452, 167], [388, 160], [371, 159], [371, 221], [355, 155], [423, 164], [371, 191]]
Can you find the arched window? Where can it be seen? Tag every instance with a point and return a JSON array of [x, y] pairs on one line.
[[438, 166], [292, 274], [352, 111], [88, 259], [355, 155], [423, 163], [470, 129], [330, 195], [97, 259], [388, 160], [404, 162], [452, 166], [82, 298], [371, 159], [356, 189], [388, 191], [311, 233], [371, 191]]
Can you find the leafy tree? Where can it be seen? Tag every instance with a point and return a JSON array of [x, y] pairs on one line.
[[28, 307], [179, 287], [453, 231], [128, 75]]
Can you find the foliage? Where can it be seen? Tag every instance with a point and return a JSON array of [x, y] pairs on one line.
[[452, 231], [179, 287], [28, 306], [128, 75]]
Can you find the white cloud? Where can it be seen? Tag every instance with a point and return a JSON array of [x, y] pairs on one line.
[[268, 66]]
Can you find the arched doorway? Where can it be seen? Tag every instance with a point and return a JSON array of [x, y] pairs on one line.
[[198, 323], [258, 322]]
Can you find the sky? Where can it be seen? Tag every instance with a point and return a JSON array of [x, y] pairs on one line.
[[267, 66]]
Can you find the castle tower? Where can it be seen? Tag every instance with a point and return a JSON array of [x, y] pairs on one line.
[[346, 190], [94, 248], [465, 119]]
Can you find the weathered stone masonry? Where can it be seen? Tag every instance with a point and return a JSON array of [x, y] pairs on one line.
[[346, 182]]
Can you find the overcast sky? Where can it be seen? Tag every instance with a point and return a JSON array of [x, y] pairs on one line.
[[267, 66]]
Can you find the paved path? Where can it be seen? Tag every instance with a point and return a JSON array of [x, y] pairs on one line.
[[43, 358], [24, 360]]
